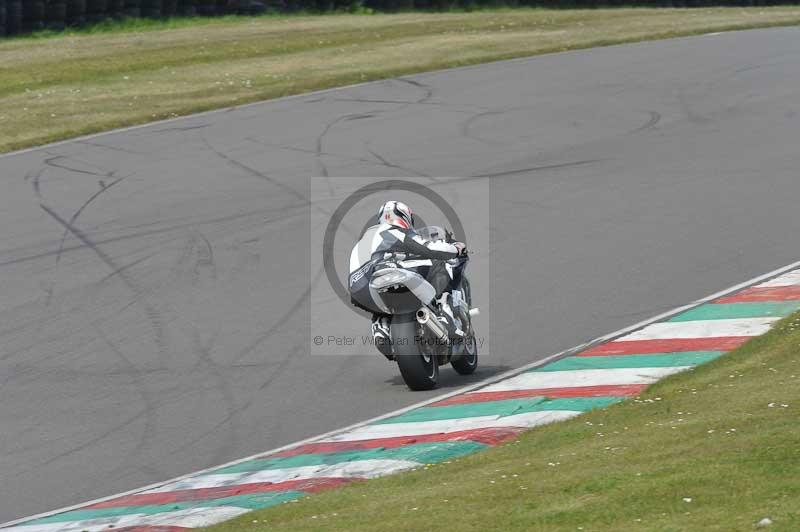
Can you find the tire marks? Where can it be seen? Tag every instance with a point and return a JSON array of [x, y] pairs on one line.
[[153, 315], [388, 164], [655, 118], [60, 162], [428, 91], [252, 171], [468, 125], [320, 140], [103, 188]]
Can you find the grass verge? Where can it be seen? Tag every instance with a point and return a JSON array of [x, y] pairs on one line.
[[77, 83], [715, 448]]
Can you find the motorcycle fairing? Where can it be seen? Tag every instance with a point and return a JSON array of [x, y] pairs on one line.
[[385, 278]]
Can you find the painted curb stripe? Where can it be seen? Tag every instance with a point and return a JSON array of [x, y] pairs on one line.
[[251, 501], [584, 377], [422, 452], [625, 390], [702, 329], [787, 279], [504, 408], [738, 310], [645, 347], [655, 360], [194, 518], [312, 485], [764, 293], [487, 436], [530, 419], [359, 469]]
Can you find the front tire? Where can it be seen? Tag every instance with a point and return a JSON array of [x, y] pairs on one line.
[[468, 362], [420, 371]]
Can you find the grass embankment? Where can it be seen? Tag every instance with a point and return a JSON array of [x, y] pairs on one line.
[[67, 85], [717, 448]]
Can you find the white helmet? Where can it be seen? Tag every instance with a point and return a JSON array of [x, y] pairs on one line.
[[396, 213]]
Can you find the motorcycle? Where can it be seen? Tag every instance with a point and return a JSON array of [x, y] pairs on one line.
[[421, 339]]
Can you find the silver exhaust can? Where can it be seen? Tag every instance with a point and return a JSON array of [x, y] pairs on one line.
[[427, 319]]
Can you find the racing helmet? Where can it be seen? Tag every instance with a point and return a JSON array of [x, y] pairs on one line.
[[396, 213]]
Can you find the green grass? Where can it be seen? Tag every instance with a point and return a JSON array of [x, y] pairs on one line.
[[716, 448], [54, 87]]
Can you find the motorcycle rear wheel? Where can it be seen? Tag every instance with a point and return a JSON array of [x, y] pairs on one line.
[[420, 371]]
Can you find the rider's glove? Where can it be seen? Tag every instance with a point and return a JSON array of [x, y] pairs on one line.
[[462, 248]]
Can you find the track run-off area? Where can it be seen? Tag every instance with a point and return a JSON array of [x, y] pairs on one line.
[[156, 283]]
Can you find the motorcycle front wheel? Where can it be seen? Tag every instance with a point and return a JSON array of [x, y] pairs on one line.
[[468, 363], [419, 369]]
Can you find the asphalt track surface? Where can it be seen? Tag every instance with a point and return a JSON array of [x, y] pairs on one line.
[[155, 282]]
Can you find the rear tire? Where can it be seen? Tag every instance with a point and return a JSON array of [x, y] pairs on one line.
[[419, 371]]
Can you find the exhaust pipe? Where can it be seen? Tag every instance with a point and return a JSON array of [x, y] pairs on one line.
[[426, 318]]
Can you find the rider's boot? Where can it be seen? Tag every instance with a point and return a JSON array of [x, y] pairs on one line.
[[381, 335]]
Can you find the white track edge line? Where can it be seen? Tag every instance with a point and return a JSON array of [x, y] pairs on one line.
[[490, 380]]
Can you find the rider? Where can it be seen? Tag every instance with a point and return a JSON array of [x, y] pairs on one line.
[[395, 234]]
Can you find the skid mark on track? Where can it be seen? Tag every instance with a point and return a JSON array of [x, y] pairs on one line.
[[319, 144], [427, 89], [368, 100], [272, 329], [196, 262], [320, 140], [383, 161], [127, 266], [34, 177], [147, 399], [60, 162], [252, 171], [692, 115], [103, 188], [469, 124], [376, 159], [655, 117], [529, 169], [275, 327], [35, 183], [182, 128], [205, 259], [148, 412], [96, 439], [457, 108], [153, 315], [169, 229], [204, 353], [108, 147]]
